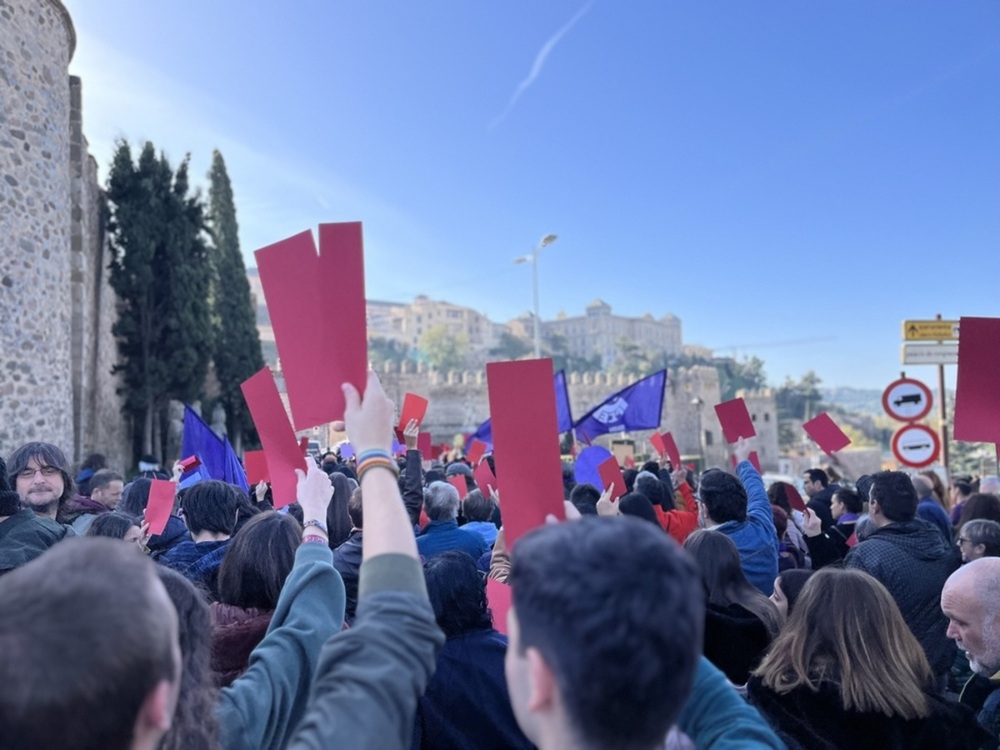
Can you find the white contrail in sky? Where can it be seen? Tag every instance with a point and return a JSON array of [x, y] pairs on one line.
[[539, 63]]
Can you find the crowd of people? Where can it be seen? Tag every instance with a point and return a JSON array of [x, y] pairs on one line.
[[701, 611]]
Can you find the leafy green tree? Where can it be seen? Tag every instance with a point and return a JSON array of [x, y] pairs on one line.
[[382, 350], [510, 347], [160, 273], [237, 353], [735, 375], [442, 350]]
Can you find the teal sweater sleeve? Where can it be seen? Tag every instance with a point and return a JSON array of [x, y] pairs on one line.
[[263, 706], [716, 717], [370, 677]]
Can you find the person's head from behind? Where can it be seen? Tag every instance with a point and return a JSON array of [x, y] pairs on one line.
[[584, 497], [338, 517], [787, 588], [777, 494], [441, 501], [477, 507], [971, 602], [355, 509], [119, 688], [210, 507], [649, 484], [959, 490], [922, 486], [980, 505], [814, 481], [40, 475], [458, 593], [116, 525], [892, 498], [135, 497], [638, 505], [844, 502], [780, 519], [258, 560], [847, 628], [613, 675], [978, 538], [721, 498], [106, 487]]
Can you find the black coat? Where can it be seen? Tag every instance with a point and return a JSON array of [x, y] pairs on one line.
[[913, 561], [810, 720], [735, 640]]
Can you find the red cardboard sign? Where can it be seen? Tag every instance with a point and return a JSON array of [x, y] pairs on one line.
[[424, 444], [753, 458], [476, 451], [256, 466], [276, 435], [459, 483], [735, 420], [414, 407], [304, 445], [794, 498], [525, 443], [828, 436], [161, 502], [485, 480], [191, 462], [670, 449], [611, 476], [295, 278], [499, 597], [977, 408]]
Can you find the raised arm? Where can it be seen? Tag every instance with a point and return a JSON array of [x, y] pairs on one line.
[[758, 506], [413, 486]]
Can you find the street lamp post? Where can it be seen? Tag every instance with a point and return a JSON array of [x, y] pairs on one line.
[[533, 260]]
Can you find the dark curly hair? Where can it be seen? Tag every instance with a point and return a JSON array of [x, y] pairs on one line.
[[458, 593]]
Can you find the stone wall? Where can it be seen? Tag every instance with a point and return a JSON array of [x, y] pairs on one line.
[[54, 302], [459, 402]]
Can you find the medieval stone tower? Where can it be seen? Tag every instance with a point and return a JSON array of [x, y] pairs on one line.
[[56, 308]]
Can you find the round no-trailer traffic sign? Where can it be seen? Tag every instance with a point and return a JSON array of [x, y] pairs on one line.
[[907, 400], [916, 445]]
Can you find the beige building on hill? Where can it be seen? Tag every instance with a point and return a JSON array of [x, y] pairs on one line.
[[407, 323]]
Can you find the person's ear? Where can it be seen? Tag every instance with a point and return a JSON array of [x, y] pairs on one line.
[[873, 507], [157, 710], [979, 549], [543, 684]]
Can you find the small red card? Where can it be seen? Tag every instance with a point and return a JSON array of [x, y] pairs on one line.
[[161, 502], [459, 483], [753, 458], [852, 540], [672, 453], [735, 420], [485, 480], [424, 444], [256, 466], [828, 436], [191, 462], [499, 597], [476, 451], [611, 475], [414, 407]]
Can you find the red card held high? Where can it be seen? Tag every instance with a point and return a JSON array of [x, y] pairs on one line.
[[670, 449], [828, 436], [255, 464], [414, 407], [525, 444], [611, 476], [276, 435], [795, 500], [476, 451], [735, 420], [161, 502], [485, 480], [977, 408], [459, 483]]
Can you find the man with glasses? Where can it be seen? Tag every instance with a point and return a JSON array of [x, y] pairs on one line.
[[42, 478], [23, 534]]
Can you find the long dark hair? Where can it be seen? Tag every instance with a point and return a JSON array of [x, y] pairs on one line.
[[338, 518], [258, 561], [724, 580], [458, 593]]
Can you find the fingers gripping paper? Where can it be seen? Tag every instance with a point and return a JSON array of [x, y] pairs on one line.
[[525, 443], [305, 291]]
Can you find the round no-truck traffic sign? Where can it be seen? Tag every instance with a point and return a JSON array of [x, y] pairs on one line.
[[916, 445], [907, 400]]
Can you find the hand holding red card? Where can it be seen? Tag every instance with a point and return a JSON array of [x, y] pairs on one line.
[[161, 502], [735, 420], [414, 407], [666, 446], [828, 436], [611, 476]]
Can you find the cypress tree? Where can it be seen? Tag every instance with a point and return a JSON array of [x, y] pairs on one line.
[[159, 271], [237, 352]]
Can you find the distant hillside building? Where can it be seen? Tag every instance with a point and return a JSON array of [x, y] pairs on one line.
[[406, 323], [598, 332]]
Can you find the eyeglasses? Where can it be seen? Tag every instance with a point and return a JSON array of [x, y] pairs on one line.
[[963, 539], [45, 471]]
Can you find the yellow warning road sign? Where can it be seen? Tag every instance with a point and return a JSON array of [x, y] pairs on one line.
[[930, 330]]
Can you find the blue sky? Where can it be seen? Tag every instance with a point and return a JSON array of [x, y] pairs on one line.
[[770, 172]]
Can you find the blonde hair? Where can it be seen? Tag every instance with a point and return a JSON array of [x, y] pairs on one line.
[[846, 629]]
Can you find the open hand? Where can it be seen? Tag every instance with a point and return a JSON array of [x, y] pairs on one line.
[[410, 434], [812, 525]]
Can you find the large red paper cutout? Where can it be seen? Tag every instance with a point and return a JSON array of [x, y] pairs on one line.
[[476, 451], [735, 420], [485, 480], [160, 504], [977, 391], [459, 483], [525, 444], [256, 466], [828, 436], [276, 435]]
